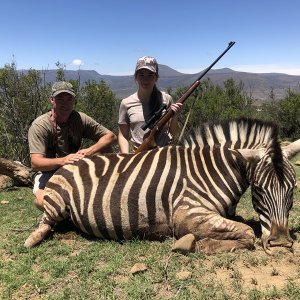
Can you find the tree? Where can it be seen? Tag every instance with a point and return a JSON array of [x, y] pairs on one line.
[[286, 114], [289, 115], [213, 103], [98, 101], [22, 99], [60, 74]]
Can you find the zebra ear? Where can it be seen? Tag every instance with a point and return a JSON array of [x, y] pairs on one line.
[[248, 155], [292, 149]]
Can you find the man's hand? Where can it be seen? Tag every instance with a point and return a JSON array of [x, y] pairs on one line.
[[71, 158]]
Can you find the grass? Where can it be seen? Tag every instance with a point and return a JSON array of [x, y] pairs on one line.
[[72, 266]]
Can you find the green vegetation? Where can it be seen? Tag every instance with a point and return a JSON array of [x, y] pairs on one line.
[[212, 103], [287, 112], [69, 265], [24, 96]]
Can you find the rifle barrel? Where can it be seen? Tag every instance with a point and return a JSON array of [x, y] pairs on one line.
[[230, 44]]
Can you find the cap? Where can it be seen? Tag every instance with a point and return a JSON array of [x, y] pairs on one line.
[[62, 87], [147, 62]]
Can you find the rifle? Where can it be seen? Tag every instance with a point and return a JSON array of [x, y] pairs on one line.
[[149, 141]]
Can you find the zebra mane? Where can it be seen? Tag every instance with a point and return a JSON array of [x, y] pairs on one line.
[[242, 133]]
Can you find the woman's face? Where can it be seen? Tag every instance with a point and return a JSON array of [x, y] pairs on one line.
[[146, 79]]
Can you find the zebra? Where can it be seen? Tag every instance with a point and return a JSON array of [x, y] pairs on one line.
[[189, 192]]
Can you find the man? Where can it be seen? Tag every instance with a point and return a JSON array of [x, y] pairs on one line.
[[55, 137]]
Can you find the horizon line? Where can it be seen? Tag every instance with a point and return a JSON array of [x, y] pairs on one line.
[[295, 72]]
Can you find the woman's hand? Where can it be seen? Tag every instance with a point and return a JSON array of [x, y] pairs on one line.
[[176, 107]]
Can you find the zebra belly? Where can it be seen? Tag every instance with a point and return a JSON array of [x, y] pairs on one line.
[[115, 203], [105, 226]]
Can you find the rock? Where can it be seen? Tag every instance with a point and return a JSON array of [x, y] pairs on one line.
[[138, 267], [185, 244], [183, 275]]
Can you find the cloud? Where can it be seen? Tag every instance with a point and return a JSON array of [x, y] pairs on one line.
[[77, 62]]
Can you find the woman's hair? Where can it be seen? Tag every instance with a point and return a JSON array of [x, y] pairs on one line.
[[155, 99], [150, 63]]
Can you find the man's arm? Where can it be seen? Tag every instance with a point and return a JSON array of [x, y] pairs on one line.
[[104, 142], [39, 162]]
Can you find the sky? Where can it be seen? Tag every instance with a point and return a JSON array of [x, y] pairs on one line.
[[109, 36]]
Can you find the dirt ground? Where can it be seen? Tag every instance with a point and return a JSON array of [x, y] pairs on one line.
[[264, 271]]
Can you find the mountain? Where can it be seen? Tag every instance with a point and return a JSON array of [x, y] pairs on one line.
[[258, 85]]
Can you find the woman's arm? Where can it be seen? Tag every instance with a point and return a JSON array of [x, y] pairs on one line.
[[123, 138], [174, 126]]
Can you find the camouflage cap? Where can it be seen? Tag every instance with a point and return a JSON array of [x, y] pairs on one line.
[[62, 87], [147, 62]]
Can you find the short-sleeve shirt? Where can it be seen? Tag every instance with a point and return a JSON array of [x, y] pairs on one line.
[[132, 112], [42, 139]]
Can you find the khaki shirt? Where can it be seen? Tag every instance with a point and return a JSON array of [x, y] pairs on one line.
[[42, 140], [132, 112]]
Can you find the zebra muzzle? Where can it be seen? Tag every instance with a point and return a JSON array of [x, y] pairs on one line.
[[279, 237]]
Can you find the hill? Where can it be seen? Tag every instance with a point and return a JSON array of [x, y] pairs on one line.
[[258, 85]]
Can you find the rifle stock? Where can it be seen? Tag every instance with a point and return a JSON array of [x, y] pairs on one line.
[[149, 141]]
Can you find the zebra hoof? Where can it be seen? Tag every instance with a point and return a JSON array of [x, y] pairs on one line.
[[185, 244], [37, 236]]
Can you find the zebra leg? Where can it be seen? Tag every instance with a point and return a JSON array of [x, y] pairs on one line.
[[211, 246], [40, 233], [55, 210], [201, 230]]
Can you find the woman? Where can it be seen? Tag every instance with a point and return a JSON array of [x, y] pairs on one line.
[[141, 105]]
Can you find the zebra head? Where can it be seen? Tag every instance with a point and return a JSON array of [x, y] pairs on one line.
[[273, 179]]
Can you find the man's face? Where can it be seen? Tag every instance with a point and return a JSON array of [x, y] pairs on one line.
[[63, 104]]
